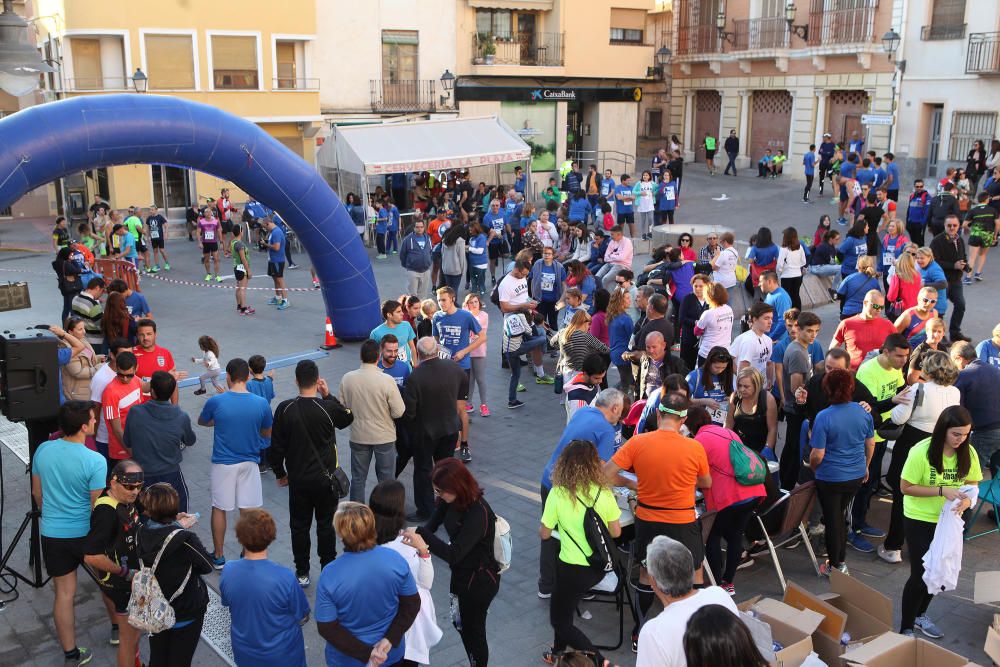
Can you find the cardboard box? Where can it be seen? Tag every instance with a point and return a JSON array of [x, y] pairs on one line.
[[987, 588], [992, 647], [892, 650], [851, 607], [790, 627]]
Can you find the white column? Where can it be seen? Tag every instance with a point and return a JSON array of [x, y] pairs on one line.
[[744, 160], [791, 130], [687, 140], [821, 100]]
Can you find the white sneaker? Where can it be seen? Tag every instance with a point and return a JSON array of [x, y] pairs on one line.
[[303, 580], [890, 555]]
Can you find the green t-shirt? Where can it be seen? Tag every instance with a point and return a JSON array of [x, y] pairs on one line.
[[562, 513], [235, 248], [710, 143], [918, 470], [882, 383], [134, 225]]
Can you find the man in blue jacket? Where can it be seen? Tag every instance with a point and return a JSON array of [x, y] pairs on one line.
[[918, 212], [415, 256]]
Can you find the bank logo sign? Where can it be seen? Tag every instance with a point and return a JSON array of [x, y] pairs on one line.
[[552, 94]]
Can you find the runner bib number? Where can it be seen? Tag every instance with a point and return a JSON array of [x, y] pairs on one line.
[[209, 236], [548, 282], [154, 233], [888, 258]]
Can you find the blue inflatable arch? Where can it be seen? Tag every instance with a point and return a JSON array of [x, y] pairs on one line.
[[49, 141]]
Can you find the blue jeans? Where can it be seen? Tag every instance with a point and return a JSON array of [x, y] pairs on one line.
[[827, 271], [514, 359], [361, 459], [390, 241], [987, 443], [478, 281], [863, 498], [454, 282]]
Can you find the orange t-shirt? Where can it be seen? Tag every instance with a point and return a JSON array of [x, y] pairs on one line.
[[667, 466], [433, 229]]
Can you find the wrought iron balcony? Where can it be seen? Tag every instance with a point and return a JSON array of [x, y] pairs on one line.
[[761, 33], [983, 55], [938, 31], [541, 49], [698, 39], [403, 96], [843, 26]]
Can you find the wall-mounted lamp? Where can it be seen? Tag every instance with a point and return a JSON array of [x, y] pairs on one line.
[[447, 84], [720, 26], [800, 30], [663, 55], [890, 44], [140, 81]]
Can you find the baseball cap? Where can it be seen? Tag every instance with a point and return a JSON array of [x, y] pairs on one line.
[[827, 134]]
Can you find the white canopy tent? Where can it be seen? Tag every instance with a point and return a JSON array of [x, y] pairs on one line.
[[430, 145]]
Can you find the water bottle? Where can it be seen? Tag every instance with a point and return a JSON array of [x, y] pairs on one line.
[[456, 616], [845, 639]]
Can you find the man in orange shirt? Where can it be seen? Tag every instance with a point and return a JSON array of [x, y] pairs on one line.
[[434, 229], [121, 394], [668, 468]]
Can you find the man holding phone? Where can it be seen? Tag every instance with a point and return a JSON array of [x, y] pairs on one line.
[[519, 335]]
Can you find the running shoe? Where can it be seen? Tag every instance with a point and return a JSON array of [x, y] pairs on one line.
[[199, 392], [273, 302], [521, 388], [208, 277], [218, 279], [218, 562], [966, 280], [545, 379], [978, 277], [283, 305], [871, 531], [469, 408], [927, 626], [315, 284], [303, 580], [513, 405], [114, 639], [859, 543], [248, 311], [155, 268], [464, 455], [292, 266], [890, 555], [484, 411], [83, 658], [728, 587], [166, 266], [544, 596], [381, 257]]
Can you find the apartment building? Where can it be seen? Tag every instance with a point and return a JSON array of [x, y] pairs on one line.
[[781, 73], [250, 58], [567, 76], [654, 108], [949, 94]]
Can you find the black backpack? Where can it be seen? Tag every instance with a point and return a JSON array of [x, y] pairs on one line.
[[598, 537]]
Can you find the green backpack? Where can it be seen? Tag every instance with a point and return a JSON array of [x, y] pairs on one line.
[[748, 468]]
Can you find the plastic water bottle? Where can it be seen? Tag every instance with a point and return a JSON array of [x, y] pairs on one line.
[[845, 639]]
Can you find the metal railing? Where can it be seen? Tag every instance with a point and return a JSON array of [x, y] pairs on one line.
[[761, 33], [842, 26], [618, 161], [698, 39], [543, 49], [98, 83], [937, 31], [410, 95], [983, 56], [292, 83]]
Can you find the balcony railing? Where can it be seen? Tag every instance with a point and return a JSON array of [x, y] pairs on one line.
[[403, 96], [842, 26], [98, 83], [937, 31], [983, 56], [291, 83], [698, 39], [762, 33], [542, 49]]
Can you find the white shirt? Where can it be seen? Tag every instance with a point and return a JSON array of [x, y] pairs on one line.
[[748, 346], [209, 361], [424, 633], [725, 269], [513, 291], [933, 400], [718, 326], [646, 199], [943, 560], [791, 263], [661, 640], [102, 378]]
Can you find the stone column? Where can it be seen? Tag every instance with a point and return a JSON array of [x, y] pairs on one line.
[[688, 139], [745, 159], [822, 96]]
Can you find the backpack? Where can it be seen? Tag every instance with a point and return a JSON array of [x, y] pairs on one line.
[[148, 609], [503, 539], [598, 537], [495, 294], [748, 468]]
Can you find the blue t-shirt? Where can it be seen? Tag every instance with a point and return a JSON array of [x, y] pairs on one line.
[[239, 418], [478, 260], [128, 246], [399, 372], [880, 177], [266, 605], [277, 236], [620, 331], [393, 218], [404, 334], [263, 387], [892, 171], [850, 249], [865, 176], [623, 190], [494, 222], [587, 423], [137, 305], [63, 356], [809, 162], [780, 301], [764, 256], [717, 393], [362, 590], [854, 288], [453, 332], [511, 212], [520, 182], [550, 290], [847, 169], [68, 472], [382, 221], [607, 187], [842, 430], [988, 353]]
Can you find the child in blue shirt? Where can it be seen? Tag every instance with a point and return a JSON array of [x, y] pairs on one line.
[[392, 231], [262, 386], [381, 228]]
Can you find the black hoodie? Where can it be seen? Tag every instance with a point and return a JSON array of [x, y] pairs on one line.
[[184, 551]]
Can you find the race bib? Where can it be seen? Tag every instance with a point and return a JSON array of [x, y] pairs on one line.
[[154, 233], [239, 267], [209, 236], [719, 415], [669, 194], [888, 258], [548, 282]]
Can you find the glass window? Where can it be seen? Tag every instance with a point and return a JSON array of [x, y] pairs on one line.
[[968, 126], [285, 56], [626, 35], [234, 62], [169, 62], [497, 22], [399, 55]]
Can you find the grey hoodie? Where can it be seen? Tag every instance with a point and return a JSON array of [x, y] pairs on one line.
[[155, 431]]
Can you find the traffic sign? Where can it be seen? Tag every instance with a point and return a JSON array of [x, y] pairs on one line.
[[874, 119]]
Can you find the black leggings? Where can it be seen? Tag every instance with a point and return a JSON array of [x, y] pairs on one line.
[[915, 596], [909, 437], [572, 583], [835, 498], [730, 524], [175, 648], [792, 286], [473, 604], [809, 186]]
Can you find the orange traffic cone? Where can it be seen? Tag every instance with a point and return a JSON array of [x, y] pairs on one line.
[[330, 341]]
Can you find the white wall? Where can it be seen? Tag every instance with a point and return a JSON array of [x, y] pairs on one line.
[[348, 51]]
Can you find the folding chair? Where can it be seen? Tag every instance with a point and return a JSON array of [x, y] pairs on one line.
[[613, 589], [707, 521], [989, 493], [796, 506]]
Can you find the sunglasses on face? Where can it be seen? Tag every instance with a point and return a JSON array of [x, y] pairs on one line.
[[132, 487], [125, 376], [876, 306], [929, 300]]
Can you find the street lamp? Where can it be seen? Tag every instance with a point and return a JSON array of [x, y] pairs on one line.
[[800, 30], [140, 81], [890, 42], [20, 62], [663, 55], [720, 27], [447, 84]]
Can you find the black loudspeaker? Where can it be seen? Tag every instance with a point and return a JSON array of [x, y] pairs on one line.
[[29, 375]]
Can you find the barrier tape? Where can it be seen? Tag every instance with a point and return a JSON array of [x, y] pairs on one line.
[[216, 285]]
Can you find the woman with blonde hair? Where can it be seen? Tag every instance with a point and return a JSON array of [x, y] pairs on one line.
[[753, 412], [893, 245], [576, 343], [913, 321], [620, 329], [852, 288], [904, 284], [365, 598], [77, 374], [578, 483]]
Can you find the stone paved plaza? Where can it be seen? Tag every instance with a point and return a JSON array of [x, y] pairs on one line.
[[509, 448]]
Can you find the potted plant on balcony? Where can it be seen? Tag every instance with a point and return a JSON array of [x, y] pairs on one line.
[[488, 48]]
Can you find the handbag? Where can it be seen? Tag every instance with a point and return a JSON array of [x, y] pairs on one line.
[[340, 483]]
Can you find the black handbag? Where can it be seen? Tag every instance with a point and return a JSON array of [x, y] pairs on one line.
[[340, 483]]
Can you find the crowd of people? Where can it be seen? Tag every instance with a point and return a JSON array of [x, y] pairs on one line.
[[712, 350]]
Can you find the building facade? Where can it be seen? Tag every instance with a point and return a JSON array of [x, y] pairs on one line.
[[780, 84], [569, 80], [654, 108], [254, 62], [949, 91]]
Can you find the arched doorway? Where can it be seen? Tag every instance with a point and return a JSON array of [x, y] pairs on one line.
[[49, 141]]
